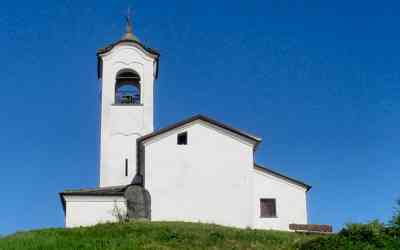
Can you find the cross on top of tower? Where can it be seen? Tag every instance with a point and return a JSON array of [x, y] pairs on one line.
[[129, 30]]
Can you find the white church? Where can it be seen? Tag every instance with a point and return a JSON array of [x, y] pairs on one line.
[[196, 170]]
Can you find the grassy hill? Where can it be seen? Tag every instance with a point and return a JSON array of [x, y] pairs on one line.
[[152, 235]]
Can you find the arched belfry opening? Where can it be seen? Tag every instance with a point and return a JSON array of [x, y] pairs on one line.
[[127, 88]]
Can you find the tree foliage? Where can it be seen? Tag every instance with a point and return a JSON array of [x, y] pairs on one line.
[[395, 222], [370, 236]]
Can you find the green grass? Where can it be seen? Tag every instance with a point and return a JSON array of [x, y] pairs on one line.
[[152, 235]]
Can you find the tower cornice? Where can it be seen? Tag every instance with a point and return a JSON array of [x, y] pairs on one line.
[[105, 50]]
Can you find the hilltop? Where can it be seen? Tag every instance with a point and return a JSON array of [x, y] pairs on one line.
[[152, 235]]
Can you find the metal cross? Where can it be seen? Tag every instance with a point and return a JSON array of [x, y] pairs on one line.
[[128, 16]]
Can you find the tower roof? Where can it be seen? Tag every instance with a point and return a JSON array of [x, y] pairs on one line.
[[128, 37]]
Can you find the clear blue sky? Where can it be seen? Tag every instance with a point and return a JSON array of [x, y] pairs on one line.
[[318, 81]]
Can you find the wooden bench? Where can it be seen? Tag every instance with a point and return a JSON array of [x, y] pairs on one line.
[[311, 228]]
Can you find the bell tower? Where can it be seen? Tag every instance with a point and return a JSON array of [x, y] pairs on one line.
[[127, 70]]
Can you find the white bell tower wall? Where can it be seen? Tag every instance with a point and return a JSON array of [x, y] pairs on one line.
[[122, 124]]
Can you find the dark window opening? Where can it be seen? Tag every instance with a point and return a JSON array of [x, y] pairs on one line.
[[267, 208], [126, 167], [182, 138], [127, 88]]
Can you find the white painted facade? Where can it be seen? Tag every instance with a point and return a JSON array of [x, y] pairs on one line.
[[121, 125], [92, 210], [212, 179], [291, 201], [209, 180]]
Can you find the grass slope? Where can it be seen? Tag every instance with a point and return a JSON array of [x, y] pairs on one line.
[[152, 235]]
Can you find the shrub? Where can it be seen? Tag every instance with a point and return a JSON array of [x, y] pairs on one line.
[[334, 242], [395, 222], [372, 233], [120, 214], [169, 235], [370, 236], [216, 236]]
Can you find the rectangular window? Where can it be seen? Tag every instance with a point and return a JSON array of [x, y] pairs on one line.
[[267, 208], [182, 138], [126, 167]]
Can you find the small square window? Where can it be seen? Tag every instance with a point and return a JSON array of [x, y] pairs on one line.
[[267, 208], [182, 138]]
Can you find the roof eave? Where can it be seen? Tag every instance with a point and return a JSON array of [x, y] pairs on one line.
[[255, 139], [151, 51], [61, 195], [300, 183], [108, 48], [91, 194]]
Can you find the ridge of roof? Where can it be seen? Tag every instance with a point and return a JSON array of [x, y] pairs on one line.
[[279, 175], [203, 118]]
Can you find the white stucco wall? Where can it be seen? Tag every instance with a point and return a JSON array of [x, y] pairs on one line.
[[291, 201], [91, 210], [209, 180], [121, 125], [212, 179]]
